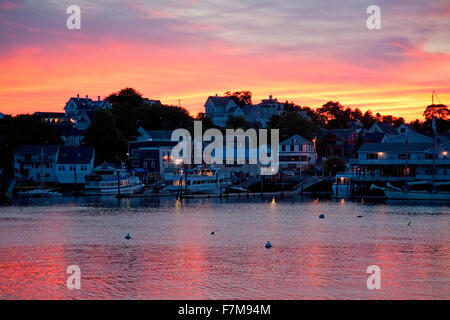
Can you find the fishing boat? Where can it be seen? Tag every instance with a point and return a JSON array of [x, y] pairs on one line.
[[207, 180], [108, 179]]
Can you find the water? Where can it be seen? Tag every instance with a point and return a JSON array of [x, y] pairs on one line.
[[172, 254]]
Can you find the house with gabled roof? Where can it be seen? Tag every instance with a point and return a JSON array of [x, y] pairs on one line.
[[81, 110], [296, 153], [73, 164], [35, 163], [220, 108]]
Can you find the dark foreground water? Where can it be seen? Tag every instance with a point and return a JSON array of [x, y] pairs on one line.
[[172, 254]]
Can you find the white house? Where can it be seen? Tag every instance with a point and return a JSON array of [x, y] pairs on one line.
[[73, 164], [389, 160], [220, 108], [296, 153], [81, 110], [36, 163]]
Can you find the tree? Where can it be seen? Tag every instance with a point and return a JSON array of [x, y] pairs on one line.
[[291, 124], [334, 115], [22, 129], [368, 119], [104, 136], [237, 122], [207, 123], [333, 165], [126, 105], [162, 117], [438, 111], [241, 98]]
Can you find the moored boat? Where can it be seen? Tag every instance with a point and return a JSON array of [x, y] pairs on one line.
[[108, 179], [199, 180]]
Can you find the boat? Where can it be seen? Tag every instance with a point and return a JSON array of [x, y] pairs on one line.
[[108, 179], [207, 180], [343, 185], [429, 191]]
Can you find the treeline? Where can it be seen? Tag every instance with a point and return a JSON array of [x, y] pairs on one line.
[[110, 130]]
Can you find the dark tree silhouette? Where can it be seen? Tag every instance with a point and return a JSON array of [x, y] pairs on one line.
[[438, 111], [241, 98]]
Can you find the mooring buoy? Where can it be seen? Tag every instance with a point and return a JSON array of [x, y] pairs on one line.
[[128, 237], [268, 245], [322, 216]]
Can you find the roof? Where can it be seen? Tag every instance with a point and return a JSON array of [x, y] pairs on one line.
[[220, 101], [387, 128], [295, 139], [75, 155], [89, 104], [394, 147], [49, 114], [342, 133], [373, 137], [36, 149]]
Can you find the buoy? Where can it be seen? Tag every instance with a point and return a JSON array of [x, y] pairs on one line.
[[212, 233], [359, 216], [268, 245], [322, 216], [128, 237]]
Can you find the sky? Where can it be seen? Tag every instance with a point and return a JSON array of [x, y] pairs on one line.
[[305, 51]]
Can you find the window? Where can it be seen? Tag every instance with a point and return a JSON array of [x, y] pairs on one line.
[[372, 156], [62, 168], [304, 158]]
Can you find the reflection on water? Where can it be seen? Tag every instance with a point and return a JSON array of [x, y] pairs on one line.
[[172, 254]]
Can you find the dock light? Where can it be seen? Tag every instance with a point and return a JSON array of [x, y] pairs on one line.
[[380, 154], [444, 153]]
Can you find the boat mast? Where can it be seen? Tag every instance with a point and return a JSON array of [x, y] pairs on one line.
[[434, 150]]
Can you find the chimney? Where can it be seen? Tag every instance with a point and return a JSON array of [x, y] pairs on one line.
[[216, 94], [87, 97], [98, 98], [78, 96], [270, 97]]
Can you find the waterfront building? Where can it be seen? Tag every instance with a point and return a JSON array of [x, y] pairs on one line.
[[73, 164], [396, 161], [35, 163], [339, 142], [150, 158], [297, 153]]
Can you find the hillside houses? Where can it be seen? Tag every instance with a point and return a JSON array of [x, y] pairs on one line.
[[219, 109]]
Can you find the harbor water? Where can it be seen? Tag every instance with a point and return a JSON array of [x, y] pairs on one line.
[[215, 249]]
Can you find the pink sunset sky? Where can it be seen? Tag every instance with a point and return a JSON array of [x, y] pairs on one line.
[[304, 51]]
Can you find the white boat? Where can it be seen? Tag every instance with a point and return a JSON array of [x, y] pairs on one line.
[[416, 195], [108, 179], [199, 180], [343, 185], [434, 191]]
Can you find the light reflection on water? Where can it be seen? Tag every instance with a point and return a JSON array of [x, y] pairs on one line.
[[172, 254]]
